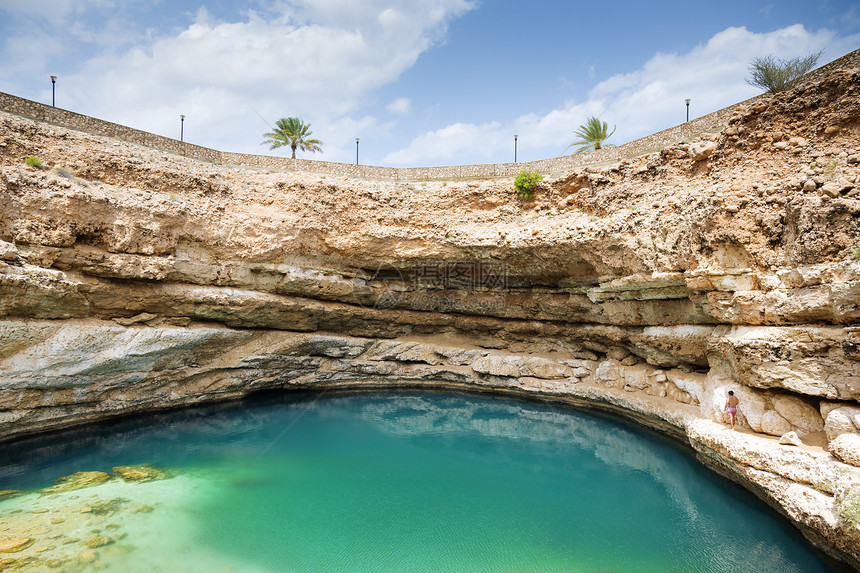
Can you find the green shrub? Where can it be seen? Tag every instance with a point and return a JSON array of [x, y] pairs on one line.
[[33, 161], [526, 182], [775, 75], [855, 254]]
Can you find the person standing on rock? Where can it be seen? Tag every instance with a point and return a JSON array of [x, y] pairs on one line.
[[732, 407]]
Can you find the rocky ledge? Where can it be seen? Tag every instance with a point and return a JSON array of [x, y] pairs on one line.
[[133, 279]]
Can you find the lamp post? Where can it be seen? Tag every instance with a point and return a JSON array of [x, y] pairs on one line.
[[688, 108], [356, 151], [182, 127], [515, 148], [53, 91]]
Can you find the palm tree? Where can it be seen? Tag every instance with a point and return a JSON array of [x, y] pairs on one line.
[[592, 134], [292, 132]]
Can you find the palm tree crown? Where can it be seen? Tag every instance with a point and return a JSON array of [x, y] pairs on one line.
[[293, 133], [592, 134]]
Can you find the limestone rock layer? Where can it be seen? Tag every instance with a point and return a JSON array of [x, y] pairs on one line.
[[134, 279]]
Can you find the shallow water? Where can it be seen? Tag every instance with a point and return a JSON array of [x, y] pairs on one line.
[[396, 482]]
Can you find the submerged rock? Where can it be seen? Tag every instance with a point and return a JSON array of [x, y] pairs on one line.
[[15, 544], [105, 507], [99, 541], [75, 481], [139, 473], [7, 493]]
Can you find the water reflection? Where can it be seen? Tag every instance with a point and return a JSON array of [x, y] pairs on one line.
[[530, 469]]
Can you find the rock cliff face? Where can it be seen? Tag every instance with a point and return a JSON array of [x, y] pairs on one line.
[[133, 279]]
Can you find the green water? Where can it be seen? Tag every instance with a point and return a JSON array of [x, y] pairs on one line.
[[416, 482]]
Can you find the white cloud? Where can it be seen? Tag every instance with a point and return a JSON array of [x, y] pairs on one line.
[[400, 106], [316, 59], [446, 144], [641, 102], [23, 54], [55, 12]]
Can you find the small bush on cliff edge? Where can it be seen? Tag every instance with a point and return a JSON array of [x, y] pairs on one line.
[[526, 181], [774, 75], [34, 161]]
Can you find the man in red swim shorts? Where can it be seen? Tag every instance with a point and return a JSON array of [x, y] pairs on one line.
[[732, 407]]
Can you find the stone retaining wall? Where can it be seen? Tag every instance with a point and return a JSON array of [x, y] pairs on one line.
[[65, 118], [654, 142], [712, 122]]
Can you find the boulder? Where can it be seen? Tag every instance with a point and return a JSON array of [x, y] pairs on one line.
[[8, 251], [458, 356], [827, 406], [639, 377], [617, 354], [402, 352], [702, 150], [496, 365], [831, 188], [752, 407], [799, 413], [691, 383], [678, 395], [774, 424], [790, 439], [547, 369], [846, 447], [839, 421], [608, 371], [519, 366]]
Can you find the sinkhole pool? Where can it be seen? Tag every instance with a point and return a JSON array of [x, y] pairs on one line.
[[389, 481]]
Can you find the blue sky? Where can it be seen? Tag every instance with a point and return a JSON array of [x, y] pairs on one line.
[[421, 82]]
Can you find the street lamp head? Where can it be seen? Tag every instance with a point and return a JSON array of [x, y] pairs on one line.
[[356, 140], [53, 79], [182, 117], [516, 136], [687, 101]]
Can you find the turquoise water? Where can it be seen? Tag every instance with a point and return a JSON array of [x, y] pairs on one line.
[[418, 482]]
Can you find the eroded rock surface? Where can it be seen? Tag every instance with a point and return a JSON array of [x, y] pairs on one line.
[[649, 287]]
